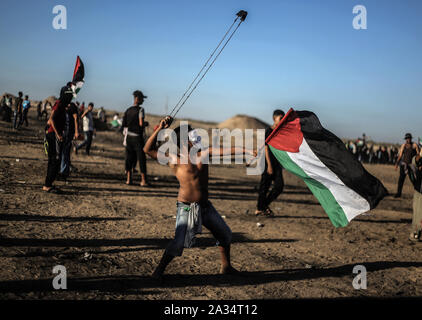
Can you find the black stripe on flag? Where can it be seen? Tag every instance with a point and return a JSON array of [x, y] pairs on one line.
[[333, 153]]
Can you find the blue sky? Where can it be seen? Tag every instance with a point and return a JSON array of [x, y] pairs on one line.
[[303, 54]]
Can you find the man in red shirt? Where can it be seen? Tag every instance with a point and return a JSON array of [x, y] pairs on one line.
[[54, 137]]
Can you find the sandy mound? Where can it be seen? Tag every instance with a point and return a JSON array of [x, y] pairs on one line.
[[50, 99], [242, 122]]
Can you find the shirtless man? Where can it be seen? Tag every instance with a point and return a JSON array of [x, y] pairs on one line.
[[193, 198], [407, 151]]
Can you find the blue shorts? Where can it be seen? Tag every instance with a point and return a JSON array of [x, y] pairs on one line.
[[211, 220]]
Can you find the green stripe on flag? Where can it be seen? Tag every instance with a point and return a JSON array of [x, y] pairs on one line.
[[325, 197]]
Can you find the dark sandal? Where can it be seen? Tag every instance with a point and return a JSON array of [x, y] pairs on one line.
[[269, 213], [54, 190]]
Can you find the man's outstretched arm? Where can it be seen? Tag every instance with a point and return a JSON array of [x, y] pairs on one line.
[[231, 151]]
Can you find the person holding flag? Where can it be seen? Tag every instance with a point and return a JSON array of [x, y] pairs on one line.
[[56, 125], [273, 172], [54, 137], [336, 178]]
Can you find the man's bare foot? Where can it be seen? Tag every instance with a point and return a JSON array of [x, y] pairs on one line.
[[229, 270], [52, 189], [144, 184], [259, 212]]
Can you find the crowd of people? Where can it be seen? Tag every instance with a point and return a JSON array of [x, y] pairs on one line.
[[372, 153]]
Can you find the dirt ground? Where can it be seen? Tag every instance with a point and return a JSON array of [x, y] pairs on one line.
[[110, 236]]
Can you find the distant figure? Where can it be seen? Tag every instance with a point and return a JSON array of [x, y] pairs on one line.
[[116, 123], [88, 128], [133, 124], [407, 151], [273, 172], [101, 115], [5, 108], [70, 132], [39, 108], [44, 109], [17, 118], [26, 104]]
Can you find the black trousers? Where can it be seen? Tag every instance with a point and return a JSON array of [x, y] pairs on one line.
[[135, 151], [25, 117], [403, 177], [17, 119], [54, 158], [264, 197]]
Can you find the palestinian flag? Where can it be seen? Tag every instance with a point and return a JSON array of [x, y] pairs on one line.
[[336, 178], [78, 76]]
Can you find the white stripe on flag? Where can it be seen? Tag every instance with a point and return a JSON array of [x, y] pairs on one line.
[[351, 202]]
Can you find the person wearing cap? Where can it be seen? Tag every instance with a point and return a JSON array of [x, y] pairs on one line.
[[133, 126], [407, 151]]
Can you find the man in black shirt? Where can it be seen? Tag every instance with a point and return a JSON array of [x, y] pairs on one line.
[[273, 172], [54, 137], [133, 124]]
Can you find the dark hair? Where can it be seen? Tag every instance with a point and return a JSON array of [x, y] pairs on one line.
[[26, 97], [20, 93], [91, 104], [278, 112], [178, 138], [139, 94]]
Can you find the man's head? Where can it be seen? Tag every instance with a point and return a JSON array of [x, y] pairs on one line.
[[277, 116], [26, 97], [138, 97], [20, 94], [179, 141], [90, 106], [408, 137]]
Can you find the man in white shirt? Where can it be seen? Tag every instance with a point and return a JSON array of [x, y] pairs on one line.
[[88, 128]]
